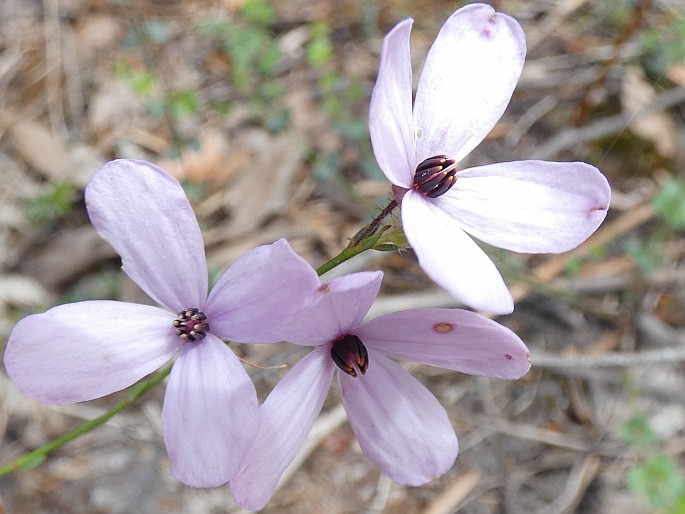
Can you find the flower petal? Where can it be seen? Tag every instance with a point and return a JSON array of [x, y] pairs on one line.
[[81, 351], [451, 258], [340, 305], [287, 417], [259, 292], [210, 416], [448, 338], [467, 81], [400, 425], [391, 123], [529, 206], [145, 215]]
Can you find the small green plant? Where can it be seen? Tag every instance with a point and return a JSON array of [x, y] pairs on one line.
[[251, 46], [638, 433], [253, 55], [177, 104], [341, 99], [654, 475], [669, 207], [663, 45], [54, 204], [669, 203], [647, 254], [618, 12], [319, 48], [100, 286], [182, 103]]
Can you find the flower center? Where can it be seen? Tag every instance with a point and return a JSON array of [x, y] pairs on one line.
[[350, 355], [191, 324], [435, 176]]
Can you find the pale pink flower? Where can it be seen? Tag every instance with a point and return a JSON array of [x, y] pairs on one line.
[[81, 351], [400, 425], [528, 206]]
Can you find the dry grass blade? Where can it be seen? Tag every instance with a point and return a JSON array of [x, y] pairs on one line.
[[581, 476], [449, 499]]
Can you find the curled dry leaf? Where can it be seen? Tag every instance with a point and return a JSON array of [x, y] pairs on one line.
[[263, 185], [658, 128], [95, 34], [20, 290], [41, 149], [213, 162]]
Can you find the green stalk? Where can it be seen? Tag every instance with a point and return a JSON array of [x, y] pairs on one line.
[[363, 240], [37, 456], [348, 253]]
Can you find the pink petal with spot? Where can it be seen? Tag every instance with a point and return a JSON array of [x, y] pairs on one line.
[[467, 81], [448, 338], [259, 293], [529, 206], [340, 305]]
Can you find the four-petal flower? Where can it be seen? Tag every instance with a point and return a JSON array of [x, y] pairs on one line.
[[527, 206], [81, 351], [400, 425]]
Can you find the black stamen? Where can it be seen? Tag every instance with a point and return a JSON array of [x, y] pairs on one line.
[[191, 325], [435, 176], [349, 354]]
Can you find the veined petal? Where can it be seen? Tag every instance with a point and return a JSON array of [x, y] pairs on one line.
[[529, 206], [288, 414], [467, 81], [448, 338], [81, 351], [210, 415], [341, 304], [451, 258], [259, 292], [145, 215], [391, 123], [400, 425]]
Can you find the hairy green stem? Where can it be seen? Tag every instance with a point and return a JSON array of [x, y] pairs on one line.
[[372, 227], [363, 240], [346, 255]]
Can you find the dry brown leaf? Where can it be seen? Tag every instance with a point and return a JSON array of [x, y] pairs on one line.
[[41, 149], [20, 290], [85, 161], [213, 162], [69, 252], [234, 5], [114, 104], [450, 498], [96, 33], [264, 185], [676, 73], [608, 268], [658, 128]]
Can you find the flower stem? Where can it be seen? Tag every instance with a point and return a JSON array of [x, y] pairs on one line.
[[345, 255], [374, 224], [377, 239], [37, 456], [363, 240]]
